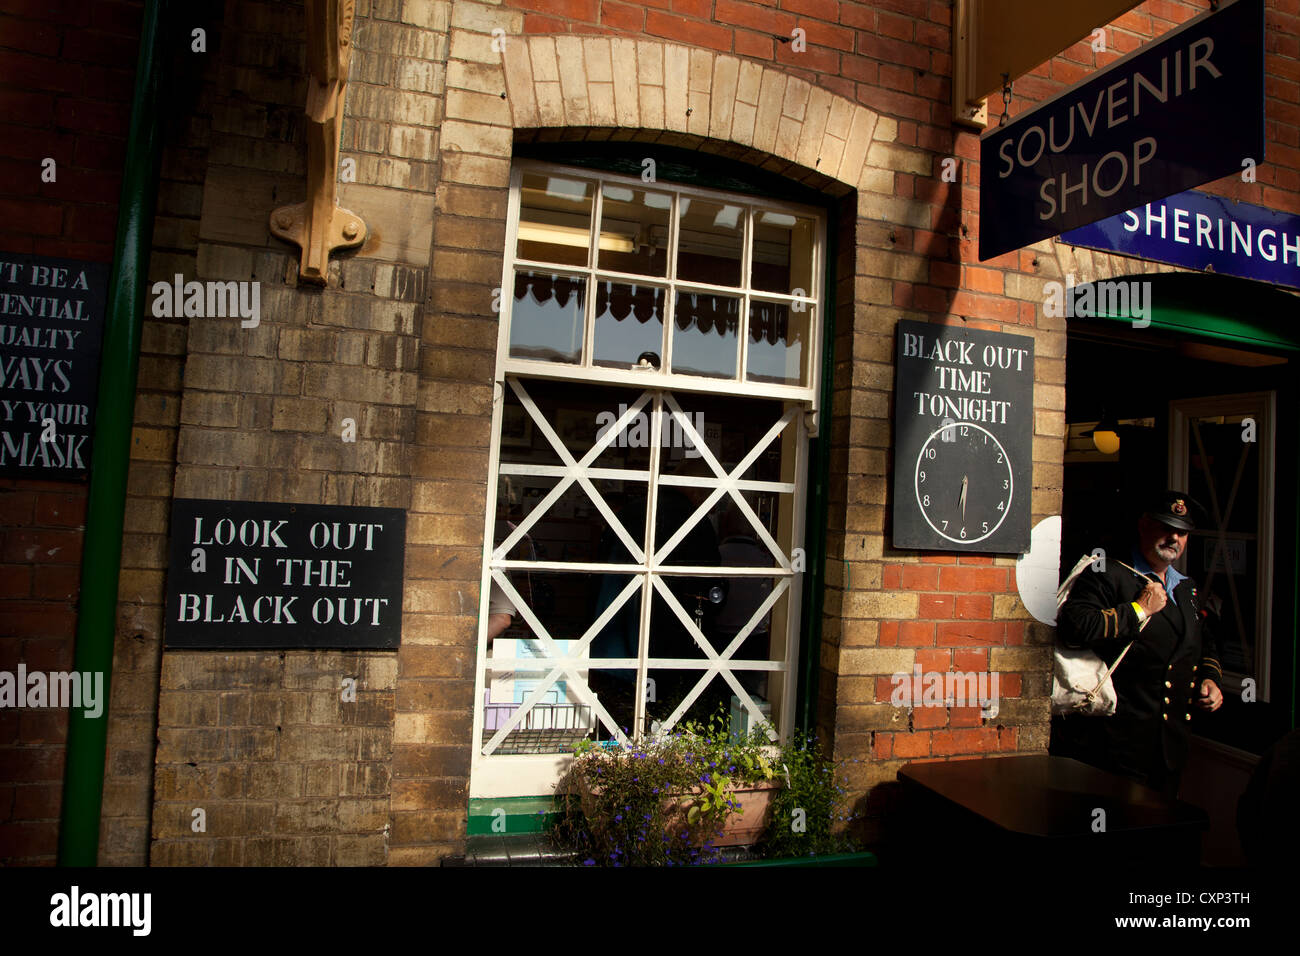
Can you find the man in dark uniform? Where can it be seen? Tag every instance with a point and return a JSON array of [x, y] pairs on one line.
[[1173, 663]]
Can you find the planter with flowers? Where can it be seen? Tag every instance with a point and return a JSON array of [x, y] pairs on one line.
[[677, 798]]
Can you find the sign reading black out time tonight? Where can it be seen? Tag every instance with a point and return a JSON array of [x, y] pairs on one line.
[[259, 574], [51, 326], [963, 432], [1183, 110]]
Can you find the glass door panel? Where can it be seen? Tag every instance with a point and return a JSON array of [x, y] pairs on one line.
[[1222, 457]]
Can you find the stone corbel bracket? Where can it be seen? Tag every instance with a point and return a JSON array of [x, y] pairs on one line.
[[319, 225]]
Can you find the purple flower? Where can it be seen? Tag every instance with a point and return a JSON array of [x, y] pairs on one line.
[[589, 862]]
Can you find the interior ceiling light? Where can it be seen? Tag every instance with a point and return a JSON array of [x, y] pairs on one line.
[[570, 190], [574, 236], [726, 218], [1105, 436]]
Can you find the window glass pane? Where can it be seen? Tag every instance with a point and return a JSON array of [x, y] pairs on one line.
[[1222, 554], [522, 442], [711, 241], [722, 604], [555, 219], [778, 343], [706, 334], [699, 595], [572, 530], [783, 247], [634, 230], [546, 321], [629, 323]]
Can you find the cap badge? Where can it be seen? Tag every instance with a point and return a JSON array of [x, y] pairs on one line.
[[1178, 507]]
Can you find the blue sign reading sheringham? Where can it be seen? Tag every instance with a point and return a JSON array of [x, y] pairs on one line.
[[1204, 232]]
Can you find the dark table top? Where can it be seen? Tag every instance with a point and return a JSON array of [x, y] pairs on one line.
[[1044, 796]]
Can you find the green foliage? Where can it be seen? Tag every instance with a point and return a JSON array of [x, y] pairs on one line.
[[812, 788], [663, 801]]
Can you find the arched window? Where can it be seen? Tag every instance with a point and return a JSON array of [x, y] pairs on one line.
[[657, 363]]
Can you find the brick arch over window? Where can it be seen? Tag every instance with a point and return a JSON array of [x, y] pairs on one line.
[[647, 85]]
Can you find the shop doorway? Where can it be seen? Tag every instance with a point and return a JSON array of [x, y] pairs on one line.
[[1188, 415]]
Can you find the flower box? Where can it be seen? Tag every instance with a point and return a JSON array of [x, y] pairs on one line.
[[743, 827]]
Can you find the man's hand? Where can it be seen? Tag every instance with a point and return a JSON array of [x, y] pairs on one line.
[[497, 623], [1152, 598], [1211, 698]]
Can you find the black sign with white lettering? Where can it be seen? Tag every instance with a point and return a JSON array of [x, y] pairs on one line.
[[963, 434], [249, 574], [1134, 133], [51, 327]]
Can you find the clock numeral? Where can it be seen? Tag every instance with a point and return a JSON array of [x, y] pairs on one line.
[[963, 532], [1006, 483], [965, 431], [945, 525], [923, 476], [1000, 505], [986, 527], [926, 501], [930, 453], [999, 458]]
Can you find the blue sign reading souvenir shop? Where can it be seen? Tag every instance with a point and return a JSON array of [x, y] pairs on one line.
[[1133, 133], [1204, 232]]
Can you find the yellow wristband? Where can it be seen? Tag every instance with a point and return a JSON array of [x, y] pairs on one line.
[[1142, 615]]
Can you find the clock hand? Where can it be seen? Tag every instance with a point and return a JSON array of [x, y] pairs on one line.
[[964, 483]]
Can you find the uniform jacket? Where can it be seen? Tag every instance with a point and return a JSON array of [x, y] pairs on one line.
[[1156, 683]]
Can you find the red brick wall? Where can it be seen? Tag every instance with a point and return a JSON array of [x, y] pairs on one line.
[[67, 68]]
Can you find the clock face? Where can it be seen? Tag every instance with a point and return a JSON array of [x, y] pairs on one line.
[[964, 482]]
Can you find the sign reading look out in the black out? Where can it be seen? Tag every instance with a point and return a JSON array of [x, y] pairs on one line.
[[1183, 110], [259, 574]]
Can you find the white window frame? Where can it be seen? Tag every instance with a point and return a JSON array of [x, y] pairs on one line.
[[502, 775], [661, 377]]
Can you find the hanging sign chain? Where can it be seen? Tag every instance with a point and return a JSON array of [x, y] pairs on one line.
[[1006, 98]]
